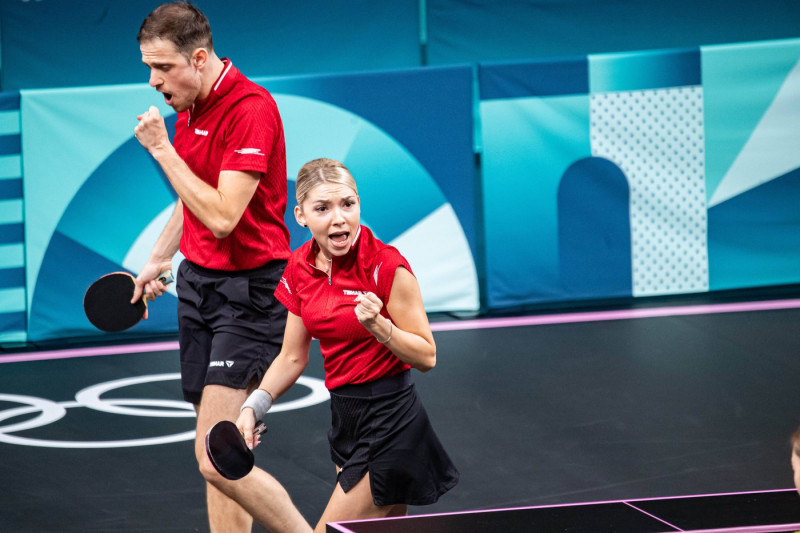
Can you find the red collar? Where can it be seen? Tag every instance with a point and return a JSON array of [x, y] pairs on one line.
[[221, 86]]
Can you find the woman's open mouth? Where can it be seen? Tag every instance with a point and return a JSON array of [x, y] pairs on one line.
[[339, 239]]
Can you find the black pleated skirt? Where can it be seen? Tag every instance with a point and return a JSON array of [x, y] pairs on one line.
[[382, 428]]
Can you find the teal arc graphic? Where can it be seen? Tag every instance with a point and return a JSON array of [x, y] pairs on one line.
[[107, 215]]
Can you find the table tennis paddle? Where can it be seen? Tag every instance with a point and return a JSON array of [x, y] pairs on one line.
[[107, 302], [227, 450]]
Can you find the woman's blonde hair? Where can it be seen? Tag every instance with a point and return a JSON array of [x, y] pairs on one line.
[[318, 171]]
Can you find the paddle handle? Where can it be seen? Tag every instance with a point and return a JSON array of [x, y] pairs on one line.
[[165, 277]]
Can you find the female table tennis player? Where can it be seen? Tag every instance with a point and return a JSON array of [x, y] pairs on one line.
[[358, 296]]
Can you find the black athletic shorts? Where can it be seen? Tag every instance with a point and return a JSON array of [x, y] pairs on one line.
[[230, 325], [382, 428]]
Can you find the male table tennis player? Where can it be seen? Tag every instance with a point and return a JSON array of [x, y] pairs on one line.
[[227, 164]]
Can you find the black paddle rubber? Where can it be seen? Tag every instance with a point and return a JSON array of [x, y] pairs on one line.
[[227, 450], [107, 303]]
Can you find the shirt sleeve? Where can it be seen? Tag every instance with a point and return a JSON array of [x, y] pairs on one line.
[[250, 135], [383, 270], [286, 291]]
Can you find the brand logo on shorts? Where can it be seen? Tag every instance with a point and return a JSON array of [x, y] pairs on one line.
[[220, 363]]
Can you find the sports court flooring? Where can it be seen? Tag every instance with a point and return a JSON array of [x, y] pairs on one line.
[[601, 407]]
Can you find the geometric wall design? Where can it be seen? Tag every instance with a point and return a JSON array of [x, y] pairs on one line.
[[641, 173], [12, 223], [603, 176], [656, 138]]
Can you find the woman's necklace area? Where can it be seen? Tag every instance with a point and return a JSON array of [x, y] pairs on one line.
[[326, 263]]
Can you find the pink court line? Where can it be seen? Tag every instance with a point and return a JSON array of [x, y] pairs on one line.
[[774, 528], [654, 517], [90, 352], [343, 526], [623, 314], [480, 323]]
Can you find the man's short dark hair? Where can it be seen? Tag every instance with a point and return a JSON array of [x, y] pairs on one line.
[[182, 24]]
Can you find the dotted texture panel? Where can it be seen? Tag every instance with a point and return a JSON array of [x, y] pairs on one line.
[[656, 138]]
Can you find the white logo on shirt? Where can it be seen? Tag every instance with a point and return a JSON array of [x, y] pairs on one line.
[[286, 284], [375, 274], [221, 363], [249, 151], [198, 131], [348, 292]]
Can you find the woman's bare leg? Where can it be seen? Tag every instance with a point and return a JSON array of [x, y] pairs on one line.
[[356, 504]]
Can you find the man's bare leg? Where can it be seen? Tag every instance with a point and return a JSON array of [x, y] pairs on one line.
[[220, 403], [258, 494], [266, 500]]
